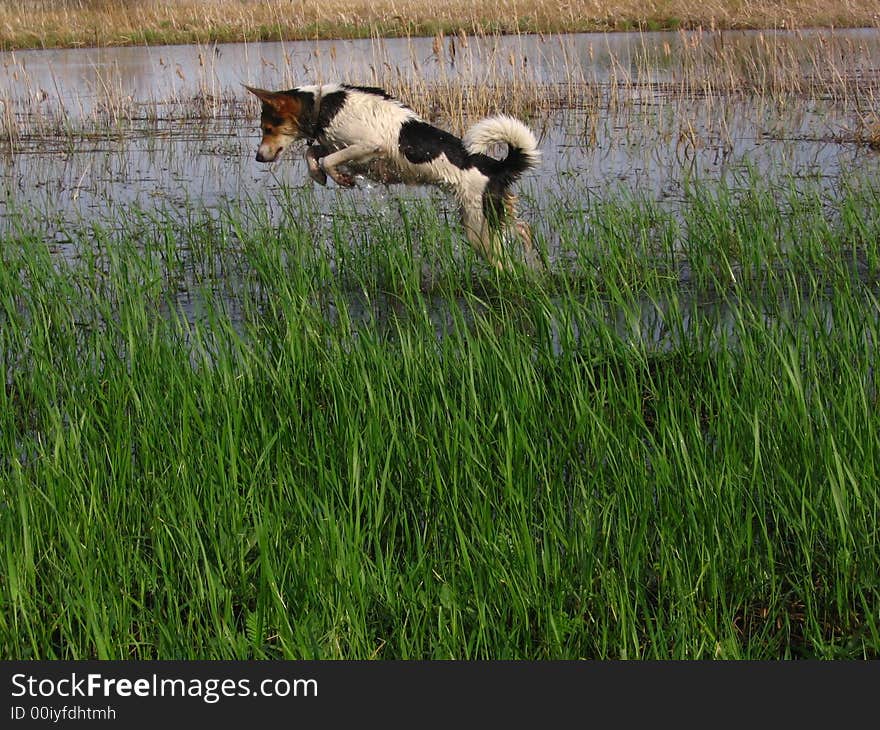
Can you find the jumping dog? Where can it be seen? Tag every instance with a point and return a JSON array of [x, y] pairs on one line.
[[364, 129]]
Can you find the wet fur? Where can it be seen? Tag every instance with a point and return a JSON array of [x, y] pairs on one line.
[[365, 130]]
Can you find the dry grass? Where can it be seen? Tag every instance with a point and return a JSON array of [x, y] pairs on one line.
[[470, 77], [43, 23]]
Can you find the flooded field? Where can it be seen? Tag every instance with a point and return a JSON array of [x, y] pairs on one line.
[[98, 136], [89, 130], [244, 416]]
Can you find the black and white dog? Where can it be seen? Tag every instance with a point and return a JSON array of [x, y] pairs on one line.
[[364, 129]]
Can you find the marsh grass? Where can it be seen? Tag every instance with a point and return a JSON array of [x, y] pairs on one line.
[[228, 436], [53, 23]]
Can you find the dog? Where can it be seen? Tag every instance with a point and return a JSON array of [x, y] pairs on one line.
[[363, 129]]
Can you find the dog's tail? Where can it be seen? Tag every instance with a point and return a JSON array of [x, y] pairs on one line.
[[522, 147]]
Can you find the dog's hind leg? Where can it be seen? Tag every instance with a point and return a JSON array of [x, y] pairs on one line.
[[521, 230], [533, 256], [356, 153], [480, 235]]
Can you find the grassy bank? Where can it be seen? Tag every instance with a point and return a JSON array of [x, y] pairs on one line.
[[220, 437], [48, 23]]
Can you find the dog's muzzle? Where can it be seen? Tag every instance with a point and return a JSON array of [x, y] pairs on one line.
[[266, 153]]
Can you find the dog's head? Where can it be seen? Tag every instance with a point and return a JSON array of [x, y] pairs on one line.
[[279, 122]]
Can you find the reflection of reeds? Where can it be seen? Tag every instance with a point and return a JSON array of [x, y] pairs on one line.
[[465, 77], [30, 111], [771, 66], [36, 23]]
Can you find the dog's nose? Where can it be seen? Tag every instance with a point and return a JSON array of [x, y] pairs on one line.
[[267, 155]]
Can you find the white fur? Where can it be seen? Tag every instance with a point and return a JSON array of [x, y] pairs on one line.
[[372, 124], [366, 131], [502, 129], [365, 119]]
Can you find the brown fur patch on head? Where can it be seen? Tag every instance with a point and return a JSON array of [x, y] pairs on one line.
[[281, 111], [279, 122]]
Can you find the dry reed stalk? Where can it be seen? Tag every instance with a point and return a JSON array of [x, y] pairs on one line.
[[43, 23], [470, 77], [704, 66]]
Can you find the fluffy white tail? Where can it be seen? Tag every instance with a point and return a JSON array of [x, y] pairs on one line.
[[503, 129]]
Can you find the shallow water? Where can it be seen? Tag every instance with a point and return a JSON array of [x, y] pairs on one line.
[[79, 78], [189, 132], [193, 134]]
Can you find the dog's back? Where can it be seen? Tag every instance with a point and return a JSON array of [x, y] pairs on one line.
[[358, 115]]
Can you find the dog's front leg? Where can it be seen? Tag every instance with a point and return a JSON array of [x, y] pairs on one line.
[[313, 159], [357, 153]]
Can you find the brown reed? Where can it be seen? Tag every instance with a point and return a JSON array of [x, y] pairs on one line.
[[474, 76], [48, 23]]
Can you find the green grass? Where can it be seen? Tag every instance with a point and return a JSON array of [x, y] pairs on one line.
[[226, 438]]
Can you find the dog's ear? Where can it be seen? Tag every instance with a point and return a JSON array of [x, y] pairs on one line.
[[282, 103], [261, 94]]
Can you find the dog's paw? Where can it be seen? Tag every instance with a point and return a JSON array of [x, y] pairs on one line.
[[314, 155], [343, 179], [319, 176]]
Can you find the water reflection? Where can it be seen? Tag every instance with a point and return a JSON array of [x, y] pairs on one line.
[[653, 144], [148, 73]]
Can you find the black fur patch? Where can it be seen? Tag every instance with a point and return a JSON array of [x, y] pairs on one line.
[[311, 125], [329, 105], [269, 117], [421, 142], [502, 174], [374, 90]]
